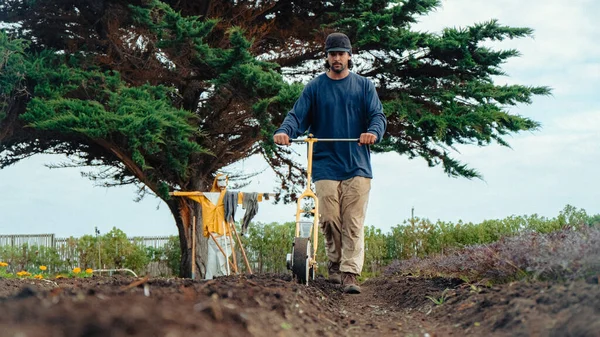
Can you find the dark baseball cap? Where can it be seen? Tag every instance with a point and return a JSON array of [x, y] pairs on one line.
[[338, 42]]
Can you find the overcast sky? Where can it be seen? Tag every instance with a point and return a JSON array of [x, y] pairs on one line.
[[544, 171]]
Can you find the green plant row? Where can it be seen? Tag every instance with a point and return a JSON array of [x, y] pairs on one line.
[[267, 245]]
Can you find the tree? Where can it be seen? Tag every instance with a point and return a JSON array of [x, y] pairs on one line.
[[164, 94]]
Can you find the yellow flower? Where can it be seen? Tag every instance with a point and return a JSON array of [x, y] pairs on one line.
[[59, 276], [89, 271], [39, 276], [3, 264], [76, 270], [23, 273], [43, 268]]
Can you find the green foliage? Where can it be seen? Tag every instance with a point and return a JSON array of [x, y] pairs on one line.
[[593, 220], [122, 253], [267, 245], [377, 254], [171, 28], [441, 299], [135, 257], [170, 254], [89, 251], [284, 100], [421, 237], [572, 217], [12, 69], [30, 257], [143, 115], [173, 254], [4, 273]]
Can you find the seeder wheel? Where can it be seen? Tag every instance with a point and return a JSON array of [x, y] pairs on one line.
[[301, 257]]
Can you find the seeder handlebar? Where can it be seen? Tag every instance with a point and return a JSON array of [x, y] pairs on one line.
[[305, 140]]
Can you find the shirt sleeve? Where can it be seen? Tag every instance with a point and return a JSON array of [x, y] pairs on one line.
[[298, 119], [377, 120]]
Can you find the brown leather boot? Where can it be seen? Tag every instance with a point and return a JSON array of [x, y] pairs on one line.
[[335, 276], [350, 284]]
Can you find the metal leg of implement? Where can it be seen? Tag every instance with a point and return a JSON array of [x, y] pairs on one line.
[[302, 261]]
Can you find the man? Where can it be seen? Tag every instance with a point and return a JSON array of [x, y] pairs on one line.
[[339, 104]]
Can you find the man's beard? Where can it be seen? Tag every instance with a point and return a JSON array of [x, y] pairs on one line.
[[338, 70]]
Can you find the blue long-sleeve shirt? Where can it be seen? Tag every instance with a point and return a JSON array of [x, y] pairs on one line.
[[338, 109]]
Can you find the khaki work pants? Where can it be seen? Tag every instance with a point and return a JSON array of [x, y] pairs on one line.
[[342, 208]]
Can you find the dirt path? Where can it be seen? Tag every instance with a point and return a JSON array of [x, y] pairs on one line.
[[369, 314]]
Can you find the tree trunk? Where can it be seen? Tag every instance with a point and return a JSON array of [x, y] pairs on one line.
[[183, 211]]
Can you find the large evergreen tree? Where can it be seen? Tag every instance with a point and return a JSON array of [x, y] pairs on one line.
[[164, 94]]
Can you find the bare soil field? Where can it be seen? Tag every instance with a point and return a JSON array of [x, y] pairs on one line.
[[272, 305]]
